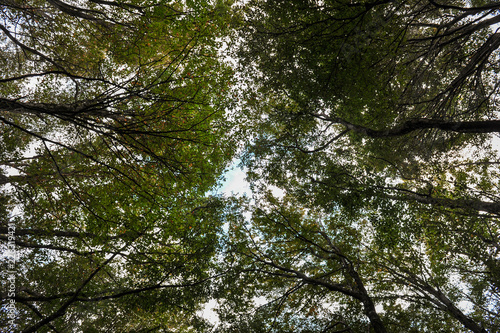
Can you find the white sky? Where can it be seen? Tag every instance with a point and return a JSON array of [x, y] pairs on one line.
[[235, 181]]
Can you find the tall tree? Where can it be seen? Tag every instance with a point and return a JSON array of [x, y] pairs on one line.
[[375, 119], [377, 69], [298, 267], [113, 132]]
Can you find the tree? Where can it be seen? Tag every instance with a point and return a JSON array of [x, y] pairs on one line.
[[409, 66], [316, 271], [291, 261], [374, 119], [113, 133]]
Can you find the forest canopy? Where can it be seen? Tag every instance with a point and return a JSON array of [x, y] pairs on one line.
[[368, 131]]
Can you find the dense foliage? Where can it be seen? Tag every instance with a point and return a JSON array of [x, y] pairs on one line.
[[369, 131], [373, 121], [113, 133]]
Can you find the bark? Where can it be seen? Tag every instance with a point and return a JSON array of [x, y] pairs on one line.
[[368, 305], [481, 126], [43, 246], [82, 13], [62, 111], [70, 234], [444, 5], [466, 204]]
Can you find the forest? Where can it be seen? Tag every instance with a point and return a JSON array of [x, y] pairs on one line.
[[368, 131]]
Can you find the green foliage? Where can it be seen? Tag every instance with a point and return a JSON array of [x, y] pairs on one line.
[[113, 134], [373, 121], [356, 112]]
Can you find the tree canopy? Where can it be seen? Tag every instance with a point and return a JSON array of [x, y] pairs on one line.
[[113, 133], [375, 120], [369, 133]]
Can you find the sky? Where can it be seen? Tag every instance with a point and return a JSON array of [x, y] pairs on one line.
[[235, 182]]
